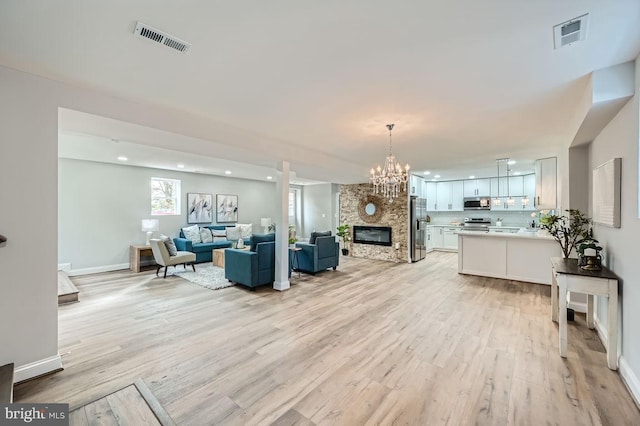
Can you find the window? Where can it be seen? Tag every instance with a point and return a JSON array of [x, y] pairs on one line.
[[165, 197], [292, 206]]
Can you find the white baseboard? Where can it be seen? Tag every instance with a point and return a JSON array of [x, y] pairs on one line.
[[37, 368], [98, 269], [66, 267], [602, 332], [630, 379], [578, 307]]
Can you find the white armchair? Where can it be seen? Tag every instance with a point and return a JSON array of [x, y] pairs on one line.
[[162, 258]]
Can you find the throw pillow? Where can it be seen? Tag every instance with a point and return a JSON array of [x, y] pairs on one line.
[[246, 229], [169, 244], [234, 234], [192, 233], [219, 235], [205, 235], [314, 235]]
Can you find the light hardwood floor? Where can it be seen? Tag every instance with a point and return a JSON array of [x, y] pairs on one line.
[[371, 343]]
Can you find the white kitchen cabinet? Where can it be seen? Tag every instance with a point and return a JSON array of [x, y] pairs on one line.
[[515, 188], [530, 186], [546, 183], [457, 196], [432, 196], [450, 196], [414, 185], [499, 187], [450, 238], [437, 237], [443, 196], [429, 239], [477, 187]]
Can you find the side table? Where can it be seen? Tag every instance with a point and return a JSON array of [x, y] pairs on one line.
[[135, 252], [568, 276], [294, 262]]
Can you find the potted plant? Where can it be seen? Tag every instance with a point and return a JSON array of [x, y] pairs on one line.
[[569, 231], [345, 234], [589, 253], [292, 236]]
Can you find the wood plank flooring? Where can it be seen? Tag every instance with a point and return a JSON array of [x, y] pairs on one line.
[[371, 343], [67, 292]]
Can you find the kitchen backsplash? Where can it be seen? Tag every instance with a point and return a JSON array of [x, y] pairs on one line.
[[517, 218]]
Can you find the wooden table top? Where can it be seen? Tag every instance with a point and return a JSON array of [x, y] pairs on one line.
[[570, 267]]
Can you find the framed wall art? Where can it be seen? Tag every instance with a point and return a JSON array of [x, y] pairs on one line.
[[199, 208], [226, 208], [606, 193]]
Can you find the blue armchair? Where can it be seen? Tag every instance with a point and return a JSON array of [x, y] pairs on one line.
[[324, 254], [255, 267]]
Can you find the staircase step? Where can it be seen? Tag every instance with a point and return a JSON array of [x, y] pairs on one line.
[[6, 383], [67, 292]]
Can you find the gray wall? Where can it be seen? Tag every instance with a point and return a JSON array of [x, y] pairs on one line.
[[579, 175], [317, 209], [101, 206], [620, 139]]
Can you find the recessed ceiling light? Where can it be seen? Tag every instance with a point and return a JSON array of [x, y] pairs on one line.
[[122, 158], [269, 177], [181, 166], [511, 162], [427, 172], [433, 180], [472, 177], [437, 176], [227, 172], [517, 173]]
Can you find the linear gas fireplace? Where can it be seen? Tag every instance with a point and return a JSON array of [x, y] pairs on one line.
[[378, 235]]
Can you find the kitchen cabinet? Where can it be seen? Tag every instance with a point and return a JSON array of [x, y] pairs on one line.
[[432, 198], [429, 239], [450, 238], [477, 187], [546, 183], [415, 186], [437, 237], [450, 196], [515, 188], [530, 187]]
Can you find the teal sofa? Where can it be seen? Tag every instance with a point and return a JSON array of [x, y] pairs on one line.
[[204, 251]]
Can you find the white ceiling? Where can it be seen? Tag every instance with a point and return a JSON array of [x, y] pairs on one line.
[[464, 81]]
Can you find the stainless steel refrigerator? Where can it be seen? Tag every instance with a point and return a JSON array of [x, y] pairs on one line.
[[418, 216]]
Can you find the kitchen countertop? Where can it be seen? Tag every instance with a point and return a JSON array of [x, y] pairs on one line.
[[522, 235]]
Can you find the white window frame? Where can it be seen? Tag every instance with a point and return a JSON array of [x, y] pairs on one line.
[[176, 197]]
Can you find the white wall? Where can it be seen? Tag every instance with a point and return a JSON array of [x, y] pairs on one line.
[[620, 139], [101, 206]]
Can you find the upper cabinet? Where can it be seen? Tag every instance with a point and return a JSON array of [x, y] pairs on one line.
[[450, 196], [432, 196], [546, 184], [477, 188], [415, 186]]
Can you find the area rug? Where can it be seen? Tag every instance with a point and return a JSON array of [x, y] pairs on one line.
[[206, 275]]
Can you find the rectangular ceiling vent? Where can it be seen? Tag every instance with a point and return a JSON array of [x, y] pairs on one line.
[[153, 34], [571, 31]]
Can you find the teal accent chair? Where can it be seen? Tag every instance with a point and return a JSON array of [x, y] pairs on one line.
[[254, 267], [324, 254]]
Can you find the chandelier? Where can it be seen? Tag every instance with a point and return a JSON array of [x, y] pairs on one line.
[[390, 179]]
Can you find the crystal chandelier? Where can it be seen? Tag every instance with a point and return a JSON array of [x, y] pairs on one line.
[[390, 179]]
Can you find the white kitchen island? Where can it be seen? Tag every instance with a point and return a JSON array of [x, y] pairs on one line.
[[520, 256]]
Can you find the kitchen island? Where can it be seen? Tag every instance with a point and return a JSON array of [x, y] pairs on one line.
[[522, 256]]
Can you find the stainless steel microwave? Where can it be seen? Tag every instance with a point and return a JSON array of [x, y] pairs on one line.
[[477, 203]]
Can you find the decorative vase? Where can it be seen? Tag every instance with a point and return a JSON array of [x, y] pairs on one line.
[[345, 252]]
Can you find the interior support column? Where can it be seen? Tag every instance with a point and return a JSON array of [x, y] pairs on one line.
[[281, 282]]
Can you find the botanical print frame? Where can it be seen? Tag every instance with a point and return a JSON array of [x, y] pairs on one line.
[[226, 208], [199, 208]]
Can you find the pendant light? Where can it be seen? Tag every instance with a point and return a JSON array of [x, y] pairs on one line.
[[510, 201], [525, 198], [496, 200]]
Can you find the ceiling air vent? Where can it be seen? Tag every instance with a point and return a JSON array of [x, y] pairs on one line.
[[570, 32], [145, 31]]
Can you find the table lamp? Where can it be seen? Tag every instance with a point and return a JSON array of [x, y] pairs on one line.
[[148, 226], [265, 222]]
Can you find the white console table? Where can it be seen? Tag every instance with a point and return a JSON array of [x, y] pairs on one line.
[[567, 276]]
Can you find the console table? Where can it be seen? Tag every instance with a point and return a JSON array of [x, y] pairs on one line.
[[567, 276], [135, 252]]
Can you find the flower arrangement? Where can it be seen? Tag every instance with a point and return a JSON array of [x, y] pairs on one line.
[[292, 234], [569, 231]]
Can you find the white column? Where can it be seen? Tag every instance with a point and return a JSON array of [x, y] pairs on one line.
[[282, 227]]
